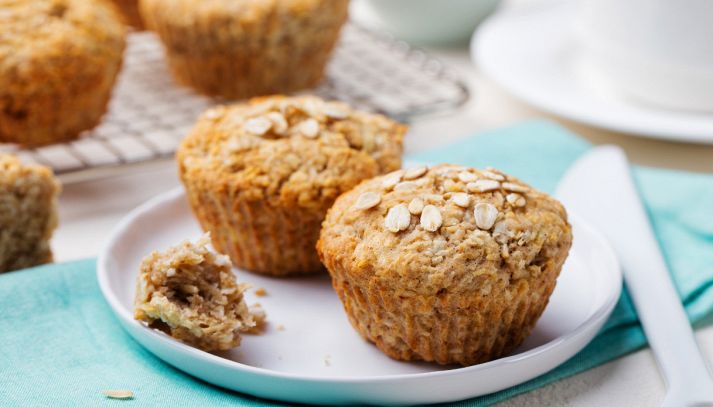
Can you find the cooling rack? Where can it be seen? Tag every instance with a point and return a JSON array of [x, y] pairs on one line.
[[149, 113]]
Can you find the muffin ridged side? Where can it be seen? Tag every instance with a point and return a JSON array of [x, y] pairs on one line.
[[240, 49]]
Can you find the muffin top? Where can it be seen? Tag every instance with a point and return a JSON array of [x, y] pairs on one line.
[[288, 151], [430, 231], [189, 11], [242, 19], [43, 41], [41, 26], [15, 174]]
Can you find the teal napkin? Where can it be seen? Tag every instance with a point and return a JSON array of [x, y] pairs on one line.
[[60, 345]]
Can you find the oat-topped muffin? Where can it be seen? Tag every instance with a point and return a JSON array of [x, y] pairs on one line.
[[58, 63], [191, 293], [130, 11], [28, 213], [448, 264], [260, 176], [243, 48]]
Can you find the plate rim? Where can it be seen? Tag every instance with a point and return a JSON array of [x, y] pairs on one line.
[[597, 317], [561, 9]]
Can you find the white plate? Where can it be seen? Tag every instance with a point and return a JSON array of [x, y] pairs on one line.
[[533, 55], [318, 357]]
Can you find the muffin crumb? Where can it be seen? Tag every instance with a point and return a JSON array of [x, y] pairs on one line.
[[191, 293]]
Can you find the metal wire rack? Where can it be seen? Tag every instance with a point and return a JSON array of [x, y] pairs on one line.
[[149, 113]]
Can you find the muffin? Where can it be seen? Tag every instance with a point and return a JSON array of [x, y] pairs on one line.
[[261, 175], [450, 264], [130, 11], [190, 293], [28, 213], [58, 63], [243, 48]]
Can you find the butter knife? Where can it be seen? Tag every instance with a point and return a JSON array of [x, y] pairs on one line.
[[599, 188]]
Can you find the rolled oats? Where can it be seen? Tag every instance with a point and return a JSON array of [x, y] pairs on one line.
[[515, 199], [415, 207], [118, 394], [483, 185], [258, 126], [367, 200], [279, 123], [493, 175], [414, 173], [509, 186], [391, 180], [461, 199], [405, 186], [309, 128], [485, 215], [431, 218], [466, 176], [397, 219]]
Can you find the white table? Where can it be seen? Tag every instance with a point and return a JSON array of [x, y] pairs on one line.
[[89, 210]]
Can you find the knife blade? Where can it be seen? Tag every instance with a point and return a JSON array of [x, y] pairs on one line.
[[599, 187]]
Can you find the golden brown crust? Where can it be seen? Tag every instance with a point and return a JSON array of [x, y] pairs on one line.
[[191, 293], [58, 63], [465, 285], [264, 196], [28, 213], [238, 49]]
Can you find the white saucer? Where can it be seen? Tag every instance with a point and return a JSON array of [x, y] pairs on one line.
[[318, 358], [533, 55]]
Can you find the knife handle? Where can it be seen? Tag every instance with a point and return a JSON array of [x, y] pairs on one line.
[[657, 302]]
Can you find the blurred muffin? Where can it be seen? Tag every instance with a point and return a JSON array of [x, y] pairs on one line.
[[449, 264], [130, 11], [261, 175], [28, 213], [58, 63], [243, 48]]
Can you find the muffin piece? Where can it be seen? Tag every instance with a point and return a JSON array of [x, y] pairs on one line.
[[58, 62], [449, 264], [28, 213], [260, 176], [191, 294], [130, 12], [243, 48]]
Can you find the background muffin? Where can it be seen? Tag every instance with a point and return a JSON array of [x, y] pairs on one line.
[[130, 11], [58, 62], [260, 176], [451, 265], [28, 213], [242, 48]]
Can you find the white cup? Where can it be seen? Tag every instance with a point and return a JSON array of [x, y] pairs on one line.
[[432, 21], [658, 52]]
